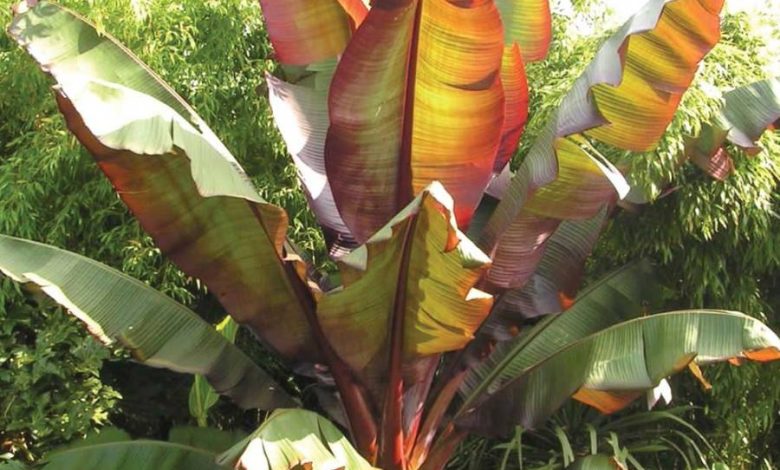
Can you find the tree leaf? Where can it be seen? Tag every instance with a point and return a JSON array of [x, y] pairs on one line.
[[621, 295], [303, 32], [625, 98], [435, 288], [529, 23], [747, 112], [515, 85], [131, 455], [185, 188], [155, 329], [291, 439], [396, 109], [202, 395], [621, 362]]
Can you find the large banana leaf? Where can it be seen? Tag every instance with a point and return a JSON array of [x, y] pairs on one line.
[[419, 266], [515, 85], [294, 439], [529, 23], [397, 109], [746, 113], [625, 98], [558, 275], [155, 329], [303, 32], [619, 363], [113, 449], [301, 114], [185, 188], [620, 296], [408, 296]]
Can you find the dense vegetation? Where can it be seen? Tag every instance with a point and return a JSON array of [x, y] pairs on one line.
[[718, 242]]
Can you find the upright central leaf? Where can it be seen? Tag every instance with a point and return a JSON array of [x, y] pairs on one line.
[[417, 97]]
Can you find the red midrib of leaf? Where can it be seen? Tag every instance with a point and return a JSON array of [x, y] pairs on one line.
[[404, 190], [393, 456]]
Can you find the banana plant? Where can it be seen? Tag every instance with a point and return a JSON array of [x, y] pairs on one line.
[[400, 117]]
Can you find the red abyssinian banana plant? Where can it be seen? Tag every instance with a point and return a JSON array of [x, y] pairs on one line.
[[399, 115]]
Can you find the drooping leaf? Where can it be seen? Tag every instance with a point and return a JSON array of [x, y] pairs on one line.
[[293, 439], [185, 188], [397, 106], [303, 32], [746, 113], [155, 329], [202, 395], [625, 98], [619, 296], [614, 366], [529, 23]]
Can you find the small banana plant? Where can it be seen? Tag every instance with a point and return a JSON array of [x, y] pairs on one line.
[[455, 309]]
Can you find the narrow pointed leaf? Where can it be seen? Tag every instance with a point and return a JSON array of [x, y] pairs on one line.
[[630, 357], [180, 182], [155, 329], [529, 23], [626, 98], [397, 109], [292, 439], [303, 32]]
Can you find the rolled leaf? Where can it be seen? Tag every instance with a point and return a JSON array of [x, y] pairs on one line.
[[303, 32], [180, 182], [628, 358], [746, 113], [155, 329], [397, 109], [529, 23], [625, 98], [292, 439]]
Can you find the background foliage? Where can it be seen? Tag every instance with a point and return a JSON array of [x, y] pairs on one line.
[[718, 243]]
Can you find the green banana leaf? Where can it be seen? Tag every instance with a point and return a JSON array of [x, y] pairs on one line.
[[293, 439], [181, 183], [202, 395], [619, 296], [157, 330], [616, 365]]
